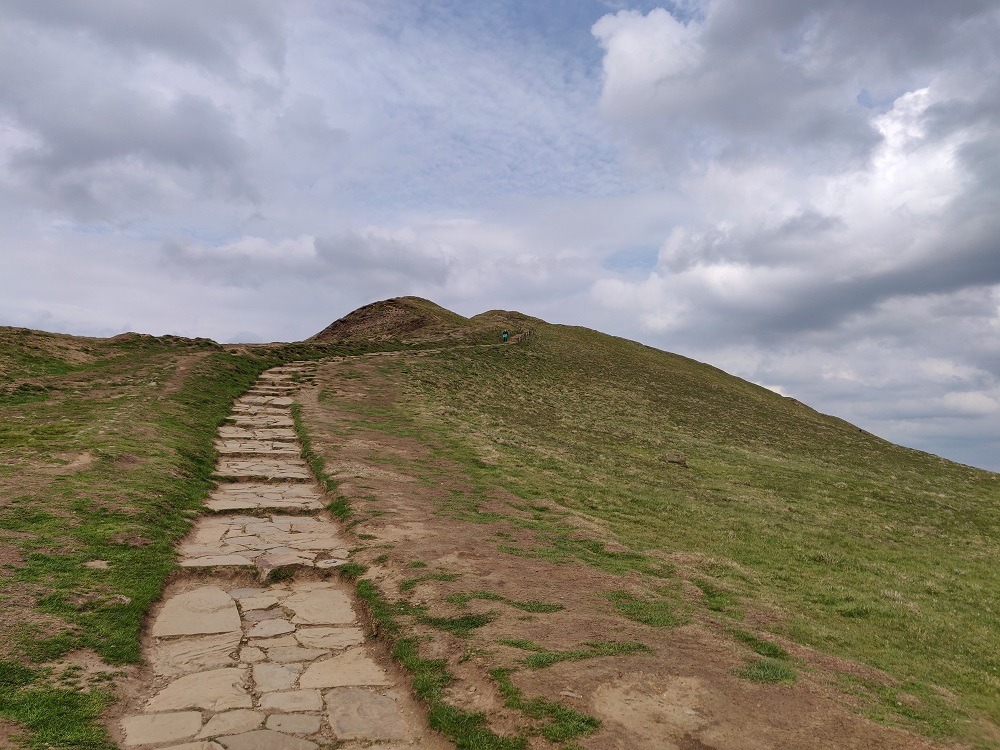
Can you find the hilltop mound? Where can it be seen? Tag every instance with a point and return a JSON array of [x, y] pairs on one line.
[[396, 318], [417, 320]]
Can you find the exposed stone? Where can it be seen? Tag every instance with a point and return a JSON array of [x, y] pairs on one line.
[[353, 667], [204, 610], [356, 714], [333, 638], [232, 722], [279, 642], [145, 730], [257, 602], [246, 593], [292, 701], [251, 655], [215, 690], [266, 739], [288, 654], [212, 561], [180, 656], [203, 745], [270, 678], [294, 723], [320, 607], [270, 628]]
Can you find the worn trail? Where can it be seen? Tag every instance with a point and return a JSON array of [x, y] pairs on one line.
[[258, 649]]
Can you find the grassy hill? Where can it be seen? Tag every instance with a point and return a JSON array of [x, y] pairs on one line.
[[787, 522], [535, 520]]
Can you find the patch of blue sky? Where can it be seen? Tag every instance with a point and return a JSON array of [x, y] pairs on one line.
[[632, 260]]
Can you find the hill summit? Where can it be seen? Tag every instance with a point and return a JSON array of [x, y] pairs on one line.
[[417, 320]]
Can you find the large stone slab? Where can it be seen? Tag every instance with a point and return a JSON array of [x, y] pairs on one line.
[[266, 739], [214, 690], [331, 638], [218, 561], [201, 611], [270, 628], [359, 714], [272, 678], [320, 607], [352, 668], [146, 729], [294, 723], [264, 468], [180, 656], [232, 722], [292, 701]]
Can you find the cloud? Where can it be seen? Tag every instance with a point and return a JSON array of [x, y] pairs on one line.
[[803, 193]]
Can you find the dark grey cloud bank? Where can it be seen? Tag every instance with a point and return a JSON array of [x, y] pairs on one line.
[[804, 193]]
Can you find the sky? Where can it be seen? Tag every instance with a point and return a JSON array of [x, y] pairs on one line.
[[805, 194]]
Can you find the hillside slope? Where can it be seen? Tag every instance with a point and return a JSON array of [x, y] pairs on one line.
[[874, 566]]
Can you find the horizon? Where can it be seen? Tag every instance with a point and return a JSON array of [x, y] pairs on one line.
[[810, 406], [798, 193]]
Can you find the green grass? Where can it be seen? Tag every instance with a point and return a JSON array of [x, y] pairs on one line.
[[467, 729], [141, 412], [542, 657], [760, 646], [463, 599], [767, 670], [870, 551], [553, 721], [659, 612], [409, 584]]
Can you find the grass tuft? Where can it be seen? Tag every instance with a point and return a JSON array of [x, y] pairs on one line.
[[767, 670]]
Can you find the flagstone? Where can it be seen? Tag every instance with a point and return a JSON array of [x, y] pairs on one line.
[[270, 678], [216, 560], [205, 610], [146, 730], [320, 607], [352, 667], [214, 690], [269, 628], [257, 602], [288, 654], [292, 701], [281, 642], [266, 739], [358, 714], [180, 656], [294, 723], [232, 722], [331, 638], [252, 655]]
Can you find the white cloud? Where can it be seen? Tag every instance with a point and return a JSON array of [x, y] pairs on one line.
[[803, 193]]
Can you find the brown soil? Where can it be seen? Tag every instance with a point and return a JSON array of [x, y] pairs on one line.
[[683, 695]]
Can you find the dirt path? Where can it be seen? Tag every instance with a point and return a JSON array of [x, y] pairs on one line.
[[254, 647]]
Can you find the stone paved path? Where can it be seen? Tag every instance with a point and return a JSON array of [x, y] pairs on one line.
[[277, 664]]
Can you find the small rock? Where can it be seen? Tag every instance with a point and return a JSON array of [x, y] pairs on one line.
[[675, 458], [570, 694]]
